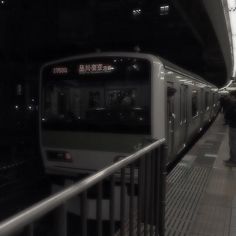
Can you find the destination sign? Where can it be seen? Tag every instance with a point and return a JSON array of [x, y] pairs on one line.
[[60, 70], [95, 68]]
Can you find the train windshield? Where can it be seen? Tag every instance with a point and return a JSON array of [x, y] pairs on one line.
[[97, 95]]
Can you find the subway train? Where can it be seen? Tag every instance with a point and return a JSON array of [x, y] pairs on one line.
[[95, 109]]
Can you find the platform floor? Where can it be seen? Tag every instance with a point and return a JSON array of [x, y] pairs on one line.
[[201, 191]]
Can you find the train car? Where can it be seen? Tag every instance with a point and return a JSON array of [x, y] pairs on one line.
[[191, 106], [96, 109]]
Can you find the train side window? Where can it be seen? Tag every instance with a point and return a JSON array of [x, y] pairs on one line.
[[207, 101], [183, 101], [180, 105], [214, 99], [194, 103], [170, 104], [171, 91]]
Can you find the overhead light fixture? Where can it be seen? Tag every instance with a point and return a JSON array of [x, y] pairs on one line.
[[189, 82], [227, 85], [201, 85], [224, 92], [230, 15], [164, 10], [231, 88], [137, 12]]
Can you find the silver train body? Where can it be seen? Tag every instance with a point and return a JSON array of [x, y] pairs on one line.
[[96, 109]]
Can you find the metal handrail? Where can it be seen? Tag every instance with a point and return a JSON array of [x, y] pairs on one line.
[[29, 215]]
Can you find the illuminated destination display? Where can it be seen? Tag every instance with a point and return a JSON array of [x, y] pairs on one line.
[[95, 68], [60, 70]]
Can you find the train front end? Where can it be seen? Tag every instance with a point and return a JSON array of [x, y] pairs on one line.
[[94, 111]]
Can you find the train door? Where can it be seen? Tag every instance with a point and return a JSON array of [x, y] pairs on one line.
[[214, 104], [202, 101], [184, 112], [211, 105], [171, 119]]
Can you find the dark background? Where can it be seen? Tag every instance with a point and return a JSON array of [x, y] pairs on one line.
[[34, 32]]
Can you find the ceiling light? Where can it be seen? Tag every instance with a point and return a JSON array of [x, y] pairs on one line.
[[231, 88], [231, 20], [137, 12], [164, 10], [227, 85]]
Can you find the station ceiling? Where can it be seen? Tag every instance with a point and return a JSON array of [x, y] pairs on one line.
[[34, 32]]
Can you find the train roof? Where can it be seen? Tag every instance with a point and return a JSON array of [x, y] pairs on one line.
[[172, 67], [166, 63]]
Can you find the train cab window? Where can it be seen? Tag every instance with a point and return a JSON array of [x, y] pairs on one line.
[[98, 95], [194, 103]]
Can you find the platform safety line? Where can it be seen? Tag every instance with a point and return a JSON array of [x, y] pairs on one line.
[[182, 216], [194, 198], [177, 180], [180, 203], [181, 193], [175, 189]]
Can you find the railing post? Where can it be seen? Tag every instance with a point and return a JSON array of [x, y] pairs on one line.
[[99, 209], [147, 189], [163, 174], [152, 193], [140, 200], [29, 230], [61, 221], [131, 202], [157, 188], [84, 213], [112, 205], [122, 202]]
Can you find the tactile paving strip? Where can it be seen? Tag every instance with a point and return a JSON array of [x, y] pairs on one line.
[[185, 187]]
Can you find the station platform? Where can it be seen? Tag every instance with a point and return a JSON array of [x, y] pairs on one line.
[[201, 191]]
